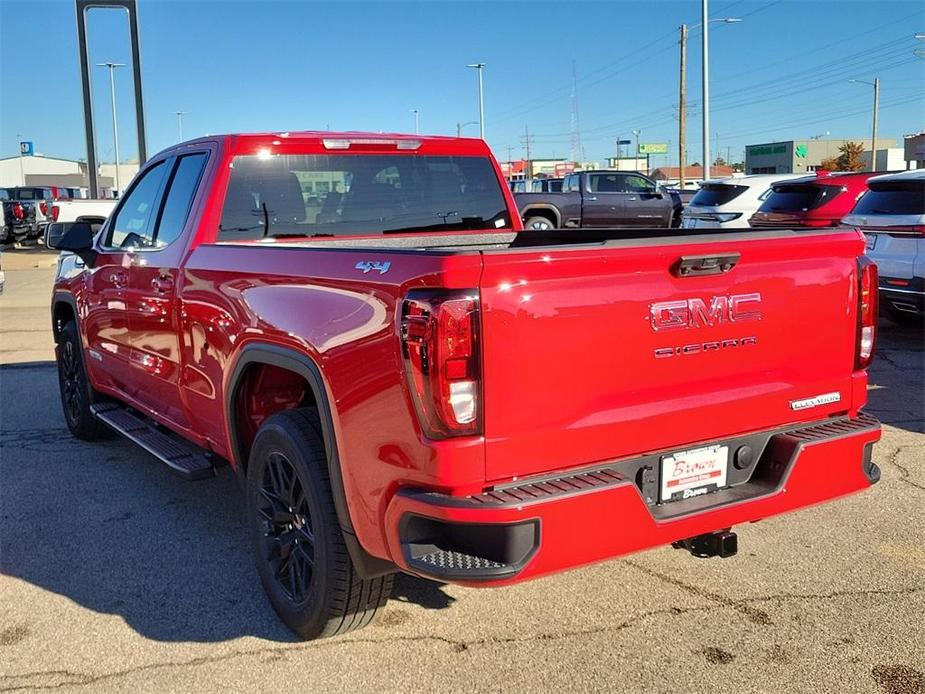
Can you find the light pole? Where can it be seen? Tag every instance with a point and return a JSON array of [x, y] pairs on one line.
[[873, 139], [480, 67], [22, 172], [417, 121], [180, 115], [682, 105], [705, 23], [636, 155], [460, 126], [115, 121]]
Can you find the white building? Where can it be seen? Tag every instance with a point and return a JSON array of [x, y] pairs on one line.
[[39, 170]]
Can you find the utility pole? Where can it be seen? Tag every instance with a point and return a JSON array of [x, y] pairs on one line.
[[417, 122], [115, 123], [180, 115], [682, 109], [527, 141], [873, 139], [576, 150]]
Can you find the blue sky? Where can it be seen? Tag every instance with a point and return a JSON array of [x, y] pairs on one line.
[[252, 66]]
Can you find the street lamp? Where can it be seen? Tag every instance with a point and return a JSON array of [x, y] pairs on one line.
[[479, 67], [873, 140], [115, 122], [636, 155], [460, 126], [180, 115], [417, 121], [705, 22], [682, 103]]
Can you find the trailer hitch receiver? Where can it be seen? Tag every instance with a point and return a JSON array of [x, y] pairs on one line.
[[722, 544]]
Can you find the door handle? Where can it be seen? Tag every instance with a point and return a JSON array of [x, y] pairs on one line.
[[592, 198], [162, 283], [632, 198]]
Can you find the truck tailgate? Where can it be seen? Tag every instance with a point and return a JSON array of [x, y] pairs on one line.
[[575, 371]]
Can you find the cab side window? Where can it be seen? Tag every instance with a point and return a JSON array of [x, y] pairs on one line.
[[179, 198], [133, 225], [637, 184], [605, 183]]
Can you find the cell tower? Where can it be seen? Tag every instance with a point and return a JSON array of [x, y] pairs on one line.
[[577, 153]]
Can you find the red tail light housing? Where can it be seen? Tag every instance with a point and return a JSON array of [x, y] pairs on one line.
[[867, 311], [440, 346], [43, 207], [55, 211], [18, 212]]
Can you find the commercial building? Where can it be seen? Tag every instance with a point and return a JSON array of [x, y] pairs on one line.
[[805, 156], [672, 174], [914, 150], [39, 170]]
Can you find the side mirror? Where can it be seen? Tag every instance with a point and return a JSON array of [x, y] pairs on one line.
[[73, 237]]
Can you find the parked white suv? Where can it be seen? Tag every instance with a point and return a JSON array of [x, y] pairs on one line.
[[892, 216], [729, 202]]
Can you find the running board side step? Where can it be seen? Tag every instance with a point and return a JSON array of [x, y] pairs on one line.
[[188, 461]]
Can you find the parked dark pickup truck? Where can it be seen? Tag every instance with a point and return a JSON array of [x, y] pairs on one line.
[[603, 199], [18, 218]]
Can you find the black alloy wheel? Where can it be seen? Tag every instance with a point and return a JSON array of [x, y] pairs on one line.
[[301, 555], [77, 395], [286, 524]]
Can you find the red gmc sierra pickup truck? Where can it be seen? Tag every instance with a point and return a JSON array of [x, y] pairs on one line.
[[406, 380]]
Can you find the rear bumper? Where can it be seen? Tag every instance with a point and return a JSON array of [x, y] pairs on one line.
[[550, 524]]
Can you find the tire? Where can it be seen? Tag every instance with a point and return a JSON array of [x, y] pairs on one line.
[[538, 223], [299, 547], [76, 392]]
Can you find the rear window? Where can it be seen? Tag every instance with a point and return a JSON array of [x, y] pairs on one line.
[[798, 197], [332, 195], [894, 197], [712, 194]]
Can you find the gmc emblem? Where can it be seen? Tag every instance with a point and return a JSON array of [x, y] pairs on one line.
[[694, 313]]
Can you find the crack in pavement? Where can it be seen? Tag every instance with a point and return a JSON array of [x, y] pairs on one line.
[[30, 680], [905, 475]]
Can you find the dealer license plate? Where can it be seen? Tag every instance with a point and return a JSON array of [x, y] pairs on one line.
[[688, 223], [692, 473]]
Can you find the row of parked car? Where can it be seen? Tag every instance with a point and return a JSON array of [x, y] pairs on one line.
[[890, 208], [27, 210]]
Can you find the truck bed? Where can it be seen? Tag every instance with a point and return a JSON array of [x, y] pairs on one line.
[[501, 241]]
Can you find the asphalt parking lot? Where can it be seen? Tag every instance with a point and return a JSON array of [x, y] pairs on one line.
[[118, 576]]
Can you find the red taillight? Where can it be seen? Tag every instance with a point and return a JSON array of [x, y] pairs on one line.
[[867, 312], [439, 332], [55, 211], [18, 211], [43, 206]]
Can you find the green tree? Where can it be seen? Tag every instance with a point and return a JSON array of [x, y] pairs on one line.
[[850, 157]]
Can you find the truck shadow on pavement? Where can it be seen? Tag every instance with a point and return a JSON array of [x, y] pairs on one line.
[[897, 377], [110, 528]]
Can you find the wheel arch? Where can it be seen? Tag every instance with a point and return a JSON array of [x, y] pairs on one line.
[[259, 353], [545, 210], [63, 309]]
